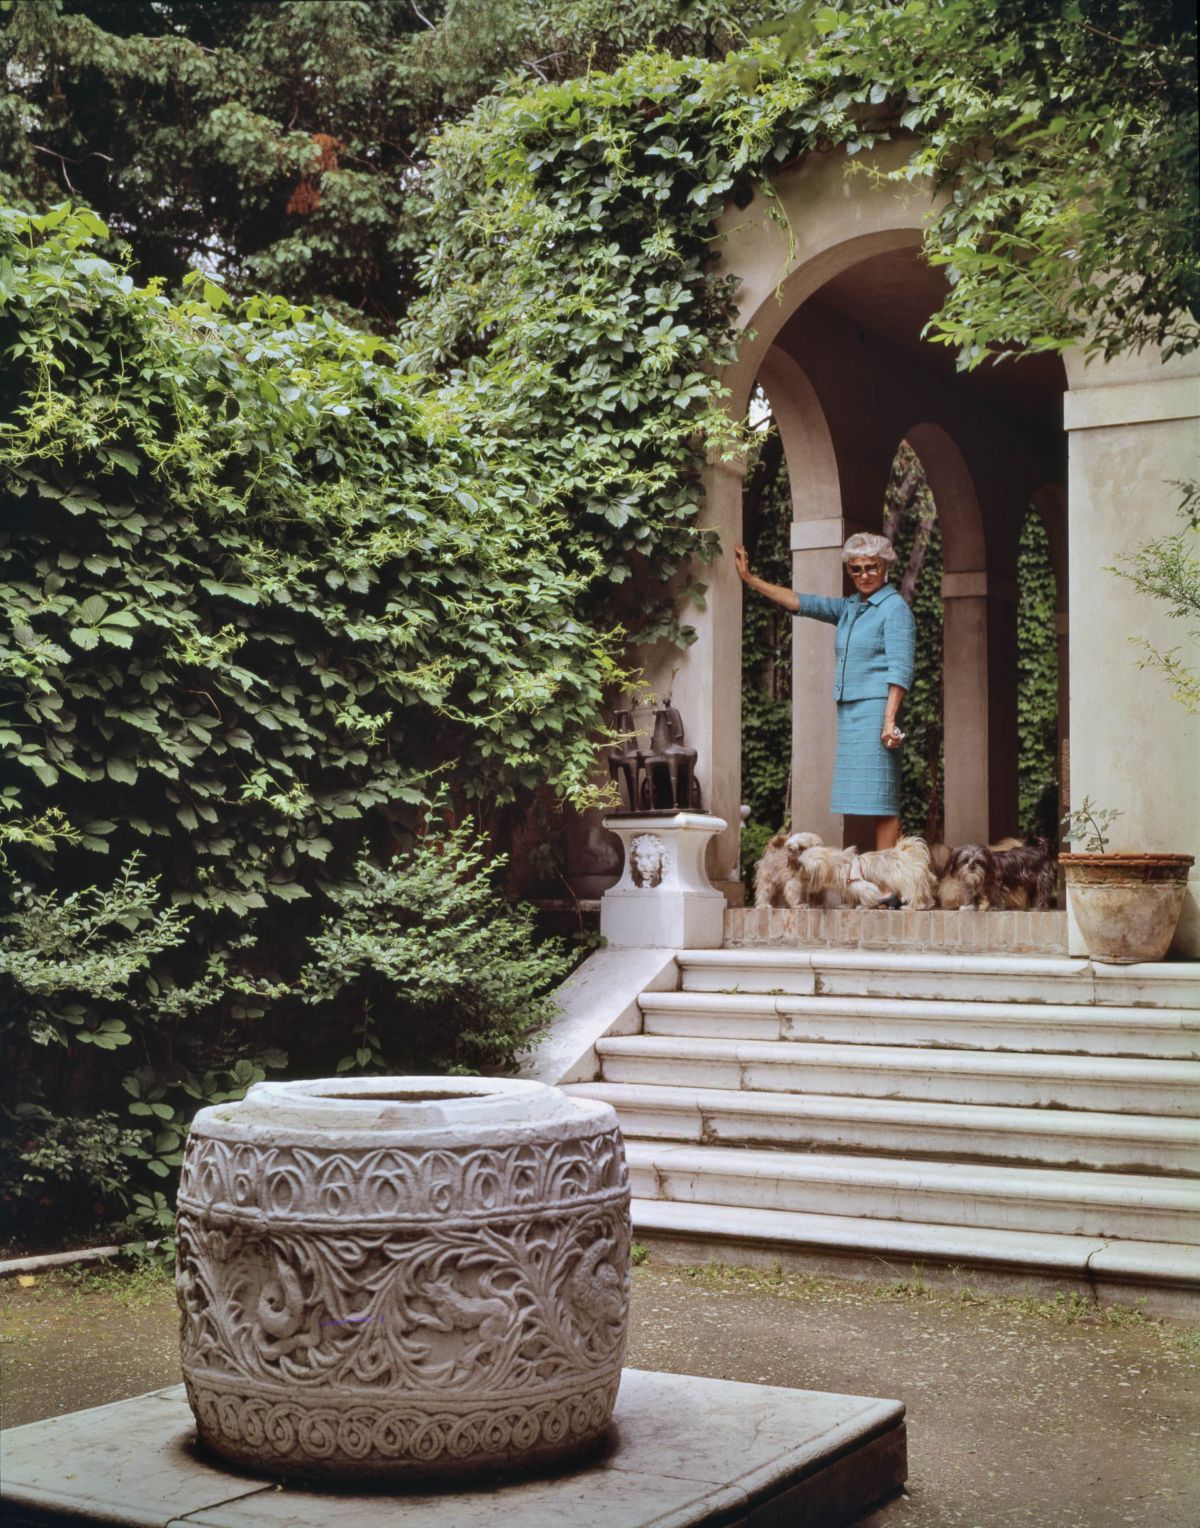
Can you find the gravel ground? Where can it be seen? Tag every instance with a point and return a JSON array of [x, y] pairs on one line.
[[1019, 1412]]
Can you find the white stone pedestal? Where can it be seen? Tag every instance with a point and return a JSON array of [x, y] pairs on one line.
[[683, 1453], [664, 896]]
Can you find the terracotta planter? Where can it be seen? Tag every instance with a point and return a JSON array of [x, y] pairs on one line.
[[1127, 905], [401, 1278]]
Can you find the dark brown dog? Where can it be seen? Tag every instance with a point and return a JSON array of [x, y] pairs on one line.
[[1025, 876], [1016, 877]]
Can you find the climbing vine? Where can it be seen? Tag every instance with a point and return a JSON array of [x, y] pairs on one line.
[[1037, 682]]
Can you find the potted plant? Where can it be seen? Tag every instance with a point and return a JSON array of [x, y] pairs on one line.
[[1126, 905]]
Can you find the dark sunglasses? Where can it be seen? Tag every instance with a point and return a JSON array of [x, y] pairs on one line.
[[858, 568]]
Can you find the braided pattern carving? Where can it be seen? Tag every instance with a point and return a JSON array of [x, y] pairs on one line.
[[332, 1439]]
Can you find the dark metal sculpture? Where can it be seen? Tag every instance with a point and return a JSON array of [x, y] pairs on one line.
[[661, 778], [623, 760]]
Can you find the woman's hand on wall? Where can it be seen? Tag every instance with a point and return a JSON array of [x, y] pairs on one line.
[[781, 596]]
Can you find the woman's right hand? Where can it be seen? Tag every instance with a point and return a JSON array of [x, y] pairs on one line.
[[741, 561]]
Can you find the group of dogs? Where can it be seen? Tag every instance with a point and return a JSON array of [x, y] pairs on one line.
[[799, 870]]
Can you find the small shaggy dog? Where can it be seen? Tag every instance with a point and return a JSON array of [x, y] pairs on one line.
[[1011, 874], [1026, 874], [779, 877], [903, 871], [834, 878]]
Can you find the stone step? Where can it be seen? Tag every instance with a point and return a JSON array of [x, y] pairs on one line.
[[1128, 1143], [1105, 1083], [1071, 1029], [937, 977], [1168, 1274], [1063, 1202]]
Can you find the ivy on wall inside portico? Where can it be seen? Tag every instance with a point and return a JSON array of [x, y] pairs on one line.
[[910, 518]]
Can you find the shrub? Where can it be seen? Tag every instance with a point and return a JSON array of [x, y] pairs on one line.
[[437, 967], [260, 597]]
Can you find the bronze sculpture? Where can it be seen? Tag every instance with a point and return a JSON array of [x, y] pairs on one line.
[[662, 777]]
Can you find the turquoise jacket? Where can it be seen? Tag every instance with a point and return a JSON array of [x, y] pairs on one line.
[[876, 641]]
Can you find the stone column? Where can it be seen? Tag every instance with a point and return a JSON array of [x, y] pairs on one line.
[[1132, 428], [707, 684], [978, 622], [816, 569], [1062, 632]]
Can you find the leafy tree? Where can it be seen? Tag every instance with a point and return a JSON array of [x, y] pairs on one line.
[[910, 520], [282, 146], [435, 967]]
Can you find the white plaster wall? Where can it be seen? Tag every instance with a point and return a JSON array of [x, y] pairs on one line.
[[1133, 747]]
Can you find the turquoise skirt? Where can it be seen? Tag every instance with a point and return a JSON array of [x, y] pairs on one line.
[[866, 775]]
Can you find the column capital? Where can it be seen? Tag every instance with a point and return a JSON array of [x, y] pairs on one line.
[[1118, 403], [978, 585], [823, 535]]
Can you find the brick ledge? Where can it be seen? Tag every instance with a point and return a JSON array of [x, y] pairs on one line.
[[1013, 933]]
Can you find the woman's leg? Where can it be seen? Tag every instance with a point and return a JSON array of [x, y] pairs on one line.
[[887, 832]]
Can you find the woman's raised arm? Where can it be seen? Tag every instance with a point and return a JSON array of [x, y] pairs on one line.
[[788, 598]]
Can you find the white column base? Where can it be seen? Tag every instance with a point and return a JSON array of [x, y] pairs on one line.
[[664, 897]]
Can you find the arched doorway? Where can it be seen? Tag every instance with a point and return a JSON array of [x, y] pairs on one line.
[[834, 290]]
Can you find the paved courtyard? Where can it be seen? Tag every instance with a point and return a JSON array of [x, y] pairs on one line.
[[1019, 1413]]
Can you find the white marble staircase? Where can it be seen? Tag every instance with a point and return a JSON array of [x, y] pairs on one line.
[[1023, 1122]]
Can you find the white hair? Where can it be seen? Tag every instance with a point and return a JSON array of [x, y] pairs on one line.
[[866, 545]]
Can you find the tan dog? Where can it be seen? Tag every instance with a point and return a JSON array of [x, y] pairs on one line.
[[779, 877], [834, 878], [903, 871]]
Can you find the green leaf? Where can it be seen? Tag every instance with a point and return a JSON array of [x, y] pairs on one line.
[[93, 608]]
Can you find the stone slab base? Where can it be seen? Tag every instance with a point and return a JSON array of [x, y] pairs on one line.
[[685, 1451], [966, 933]]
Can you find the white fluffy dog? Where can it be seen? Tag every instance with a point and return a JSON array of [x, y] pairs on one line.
[[779, 877], [903, 871], [835, 878]]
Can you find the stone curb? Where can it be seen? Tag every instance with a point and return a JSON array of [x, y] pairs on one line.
[[47, 1260]]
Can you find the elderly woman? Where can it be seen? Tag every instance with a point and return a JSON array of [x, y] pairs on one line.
[[876, 642]]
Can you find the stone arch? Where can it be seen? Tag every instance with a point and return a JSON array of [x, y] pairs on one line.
[[816, 542], [781, 251], [1050, 504], [964, 548], [1130, 427], [818, 224]]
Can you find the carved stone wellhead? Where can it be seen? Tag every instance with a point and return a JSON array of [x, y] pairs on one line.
[[403, 1278]]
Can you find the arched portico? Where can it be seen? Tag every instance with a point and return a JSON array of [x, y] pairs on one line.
[[832, 300]]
